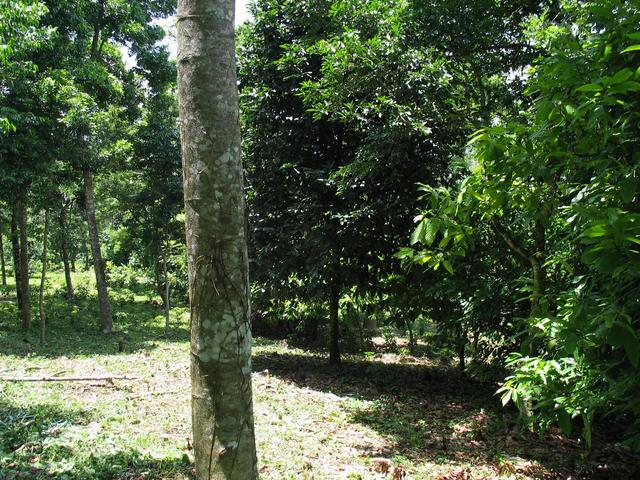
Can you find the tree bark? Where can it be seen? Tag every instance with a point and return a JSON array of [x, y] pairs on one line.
[[462, 343], [64, 250], [43, 277], [334, 314], [15, 249], [222, 409], [167, 305], [538, 260], [4, 268], [25, 291], [98, 264]]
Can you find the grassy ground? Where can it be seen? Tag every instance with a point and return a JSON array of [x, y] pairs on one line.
[[390, 417]]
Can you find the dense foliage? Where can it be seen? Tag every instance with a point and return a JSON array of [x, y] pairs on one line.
[[558, 184]]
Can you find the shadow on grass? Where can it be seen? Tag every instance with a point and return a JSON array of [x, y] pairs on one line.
[[73, 328], [432, 414], [43, 441]]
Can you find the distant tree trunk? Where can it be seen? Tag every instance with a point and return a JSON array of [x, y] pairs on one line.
[[43, 277], [334, 314], [538, 260], [462, 343], [87, 259], [25, 291], [4, 270], [73, 260], [223, 433], [167, 305], [98, 264], [62, 220], [412, 338], [15, 250]]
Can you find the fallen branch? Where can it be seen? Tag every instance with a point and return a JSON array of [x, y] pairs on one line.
[[107, 378], [151, 394]]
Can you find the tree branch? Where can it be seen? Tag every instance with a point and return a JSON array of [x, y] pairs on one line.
[[108, 378], [510, 241]]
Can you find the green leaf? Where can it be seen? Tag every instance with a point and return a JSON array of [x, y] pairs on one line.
[[632, 349], [632, 48], [622, 76], [418, 233], [564, 420], [431, 229], [447, 265], [628, 189], [622, 335], [625, 87], [590, 87]]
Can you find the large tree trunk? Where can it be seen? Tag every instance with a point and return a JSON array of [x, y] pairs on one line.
[[64, 250], [334, 313], [223, 433], [98, 264], [2, 265], [25, 291], [15, 250], [43, 277]]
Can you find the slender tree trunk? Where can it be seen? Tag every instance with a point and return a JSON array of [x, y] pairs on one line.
[[43, 277], [15, 249], [412, 339], [62, 219], [223, 433], [25, 291], [538, 260], [462, 343], [334, 313], [4, 270], [167, 305], [98, 264]]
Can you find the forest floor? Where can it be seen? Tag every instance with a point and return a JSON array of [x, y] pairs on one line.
[[387, 417]]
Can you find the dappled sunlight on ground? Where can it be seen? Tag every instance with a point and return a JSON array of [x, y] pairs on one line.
[[392, 415]]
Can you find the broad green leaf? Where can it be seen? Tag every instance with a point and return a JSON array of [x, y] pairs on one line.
[[590, 87], [621, 76], [622, 335], [430, 231], [447, 265], [564, 420], [418, 233], [628, 189], [632, 48], [625, 87]]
